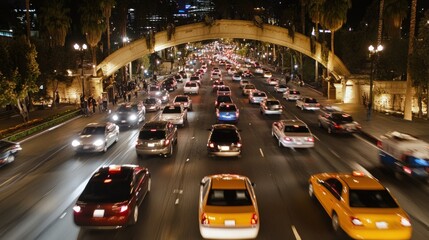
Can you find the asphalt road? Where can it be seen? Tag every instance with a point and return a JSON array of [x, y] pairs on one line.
[[38, 191]]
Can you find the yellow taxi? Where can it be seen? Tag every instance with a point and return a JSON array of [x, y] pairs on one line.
[[228, 208], [360, 206]]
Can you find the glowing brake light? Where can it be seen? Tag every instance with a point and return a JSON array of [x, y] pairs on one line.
[[211, 145], [254, 219], [288, 139], [310, 139], [77, 209], [108, 180], [238, 144], [407, 170], [166, 142], [204, 219], [379, 144], [124, 208], [114, 169]]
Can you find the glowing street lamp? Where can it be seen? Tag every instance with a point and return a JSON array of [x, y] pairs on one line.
[[373, 55], [81, 49]]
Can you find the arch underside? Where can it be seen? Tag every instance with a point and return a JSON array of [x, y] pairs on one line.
[[221, 29]]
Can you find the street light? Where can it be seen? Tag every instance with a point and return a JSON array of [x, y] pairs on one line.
[[373, 55], [81, 50]]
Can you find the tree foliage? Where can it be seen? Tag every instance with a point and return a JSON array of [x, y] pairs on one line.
[[55, 22]]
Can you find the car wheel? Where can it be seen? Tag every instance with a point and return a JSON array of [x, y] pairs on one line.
[[335, 222], [311, 191], [10, 158], [135, 215], [149, 184]]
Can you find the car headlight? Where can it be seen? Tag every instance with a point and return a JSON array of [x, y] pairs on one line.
[[98, 142], [133, 117], [115, 117], [75, 143], [164, 97]]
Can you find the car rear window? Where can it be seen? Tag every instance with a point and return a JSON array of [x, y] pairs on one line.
[[191, 84], [224, 99], [310, 100], [150, 100], [227, 108], [93, 131], [229, 197], [249, 86], [294, 92], [152, 134], [127, 108], [195, 78], [174, 109], [371, 199], [272, 103], [296, 129], [342, 118], [181, 99], [259, 94], [224, 135]]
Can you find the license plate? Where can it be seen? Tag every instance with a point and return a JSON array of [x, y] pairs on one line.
[[229, 223], [98, 213], [123, 121], [151, 144], [224, 148], [86, 147], [381, 225]]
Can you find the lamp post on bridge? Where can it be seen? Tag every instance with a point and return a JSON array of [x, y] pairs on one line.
[[373, 55]]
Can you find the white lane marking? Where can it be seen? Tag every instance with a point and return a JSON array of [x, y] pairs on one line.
[[295, 232], [63, 215], [9, 180], [332, 151], [262, 153], [177, 201], [187, 160]]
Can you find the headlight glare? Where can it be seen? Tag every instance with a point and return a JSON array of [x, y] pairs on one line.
[[115, 117], [75, 143], [98, 142]]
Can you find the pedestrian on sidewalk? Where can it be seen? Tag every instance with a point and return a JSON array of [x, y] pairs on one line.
[[129, 96], [94, 104]]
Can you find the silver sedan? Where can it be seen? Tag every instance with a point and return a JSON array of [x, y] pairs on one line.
[[96, 137], [292, 133]]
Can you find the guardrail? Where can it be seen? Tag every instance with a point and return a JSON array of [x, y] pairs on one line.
[[43, 126]]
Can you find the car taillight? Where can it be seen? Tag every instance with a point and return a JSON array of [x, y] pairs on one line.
[[211, 145], [310, 139], [305, 104], [238, 144], [120, 208], [237, 113], [318, 104], [407, 170], [356, 221], [77, 209], [288, 139], [379, 144], [204, 219], [215, 102], [166, 142], [337, 126], [123, 208], [405, 222], [254, 219]]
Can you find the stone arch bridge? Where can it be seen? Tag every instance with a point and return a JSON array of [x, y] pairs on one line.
[[221, 29]]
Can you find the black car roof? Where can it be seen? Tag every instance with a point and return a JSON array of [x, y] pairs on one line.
[[154, 125]]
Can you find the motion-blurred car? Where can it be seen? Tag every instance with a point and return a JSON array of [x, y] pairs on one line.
[[337, 122], [272, 81], [267, 74], [183, 100], [292, 133], [177, 114], [191, 88], [164, 96], [179, 77], [271, 106], [170, 84], [216, 84], [112, 197], [257, 97], [227, 112], [228, 208], [154, 90], [247, 89], [247, 74], [281, 88], [224, 90], [8, 151], [224, 141], [292, 94], [222, 99], [196, 79], [307, 103], [96, 137], [236, 77], [259, 70], [157, 138], [360, 206], [152, 104], [129, 114]]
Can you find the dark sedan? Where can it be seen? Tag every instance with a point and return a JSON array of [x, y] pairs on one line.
[[129, 114]]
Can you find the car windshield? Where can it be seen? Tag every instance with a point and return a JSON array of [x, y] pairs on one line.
[[191, 84], [195, 78], [181, 99], [107, 189], [224, 135], [296, 129], [371, 199], [152, 134], [341, 118], [172, 110], [250, 86], [93, 131], [229, 197], [150, 101], [227, 108], [310, 100], [272, 103], [127, 108]]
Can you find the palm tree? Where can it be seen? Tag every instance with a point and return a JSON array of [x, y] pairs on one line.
[[313, 9], [408, 114], [106, 8], [394, 13], [27, 17], [380, 23], [334, 15], [55, 20], [93, 25]]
